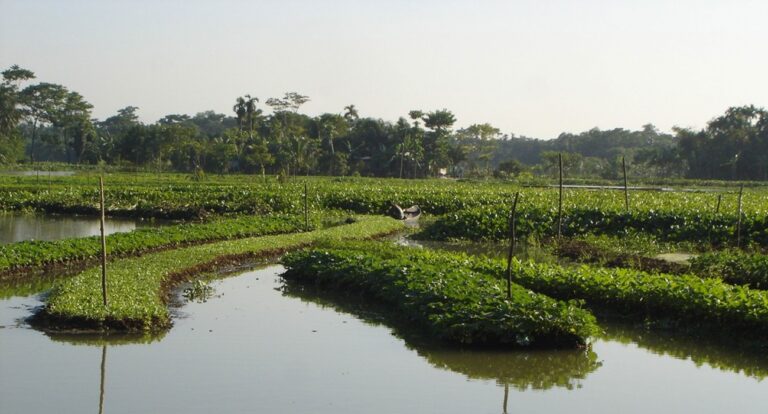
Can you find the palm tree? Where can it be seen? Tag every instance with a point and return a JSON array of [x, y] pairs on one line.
[[350, 113], [251, 113], [241, 110]]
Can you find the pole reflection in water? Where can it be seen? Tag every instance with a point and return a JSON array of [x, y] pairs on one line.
[[506, 397], [101, 383]]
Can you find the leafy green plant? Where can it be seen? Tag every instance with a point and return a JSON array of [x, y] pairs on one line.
[[38, 253], [452, 301], [138, 286], [735, 267]]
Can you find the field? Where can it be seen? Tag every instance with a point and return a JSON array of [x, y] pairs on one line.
[[228, 217]]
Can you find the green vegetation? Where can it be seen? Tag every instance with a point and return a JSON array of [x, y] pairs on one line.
[[46, 121], [734, 267], [523, 369], [22, 255], [686, 301], [452, 301], [137, 286], [471, 210], [684, 221], [708, 305]]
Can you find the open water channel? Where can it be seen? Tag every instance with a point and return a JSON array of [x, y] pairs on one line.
[[259, 345], [16, 227]]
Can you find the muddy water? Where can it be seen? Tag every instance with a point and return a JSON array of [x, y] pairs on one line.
[[260, 346], [15, 227]]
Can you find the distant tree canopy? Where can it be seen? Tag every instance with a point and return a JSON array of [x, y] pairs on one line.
[[732, 146], [47, 122]]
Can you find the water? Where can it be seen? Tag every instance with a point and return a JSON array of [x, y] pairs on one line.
[[39, 173], [258, 346], [16, 227]]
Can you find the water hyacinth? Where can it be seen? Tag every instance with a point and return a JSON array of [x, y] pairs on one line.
[[453, 303]]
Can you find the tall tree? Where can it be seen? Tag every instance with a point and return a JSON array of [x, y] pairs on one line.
[[11, 112]]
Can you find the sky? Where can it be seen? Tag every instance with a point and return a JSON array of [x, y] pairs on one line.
[[532, 68]]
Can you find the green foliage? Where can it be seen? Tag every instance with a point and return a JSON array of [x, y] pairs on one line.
[[137, 286], [471, 210], [734, 267], [687, 300], [453, 302], [677, 217], [37, 253], [732, 146]]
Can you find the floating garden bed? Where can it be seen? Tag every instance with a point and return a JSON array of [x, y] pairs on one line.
[[139, 287]]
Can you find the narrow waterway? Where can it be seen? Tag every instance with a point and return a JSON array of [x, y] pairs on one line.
[[258, 345], [16, 227]]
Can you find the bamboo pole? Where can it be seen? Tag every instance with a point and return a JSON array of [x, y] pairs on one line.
[[560, 203], [306, 209], [103, 244], [738, 222], [626, 189], [512, 240]]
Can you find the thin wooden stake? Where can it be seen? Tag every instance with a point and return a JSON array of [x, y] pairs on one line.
[[306, 210], [719, 198], [626, 189], [103, 245], [560, 204], [512, 240], [738, 222]]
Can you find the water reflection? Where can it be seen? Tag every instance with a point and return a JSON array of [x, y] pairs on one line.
[[26, 286], [20, 227], [251, 348], [39, 173], [102, 377], [725, 354], [521, 369]]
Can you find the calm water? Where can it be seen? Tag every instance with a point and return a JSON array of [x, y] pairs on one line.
[[254, 347], [15, 227], [39, 173]]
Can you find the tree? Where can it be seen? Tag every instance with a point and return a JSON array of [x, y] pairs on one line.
[[436, 144], [571, 162], [11, 112], [350, 113], [329, 127], [478, 142], [416, 115], [509, 168], [732, 146], [239, 109], [245, 109], [41, 102]]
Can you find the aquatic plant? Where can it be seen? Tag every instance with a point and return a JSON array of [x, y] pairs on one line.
[[451, 301], [16, 256], [735, 267], [138, 286]]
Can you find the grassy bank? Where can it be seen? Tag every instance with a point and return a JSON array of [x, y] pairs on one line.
[[138, 286], [451, 301]]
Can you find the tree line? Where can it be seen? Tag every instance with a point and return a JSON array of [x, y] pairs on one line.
[[48, 122]]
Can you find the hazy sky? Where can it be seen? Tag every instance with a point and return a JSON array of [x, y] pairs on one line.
[[535, 68]]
